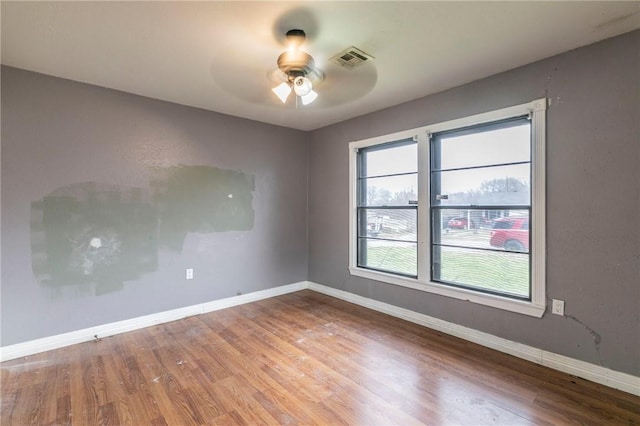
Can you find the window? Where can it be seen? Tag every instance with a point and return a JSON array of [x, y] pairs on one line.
[[387, 208], [480, 180], [455, 208]]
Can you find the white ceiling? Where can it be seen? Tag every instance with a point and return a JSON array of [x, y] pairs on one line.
[[221, 56]]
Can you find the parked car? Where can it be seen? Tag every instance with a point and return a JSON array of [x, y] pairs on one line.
[[459, 223], [511, 233]]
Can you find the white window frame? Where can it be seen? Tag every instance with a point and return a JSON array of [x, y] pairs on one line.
[[536, 306]]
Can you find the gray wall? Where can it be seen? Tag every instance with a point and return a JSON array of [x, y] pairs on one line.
[[593, 201], [107, 197]]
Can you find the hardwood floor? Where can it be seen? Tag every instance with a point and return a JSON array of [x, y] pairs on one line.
[[301, 358]]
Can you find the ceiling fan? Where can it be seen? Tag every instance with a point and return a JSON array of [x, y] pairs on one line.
[[298, 69], [331, 78]]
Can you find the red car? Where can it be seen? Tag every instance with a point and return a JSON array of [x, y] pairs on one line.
[[511, 233], [459, 223]]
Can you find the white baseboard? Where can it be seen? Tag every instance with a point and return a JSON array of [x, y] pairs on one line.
[[585, 370], [595, 373], [58, 341]]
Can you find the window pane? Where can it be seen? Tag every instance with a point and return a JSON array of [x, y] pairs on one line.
[[465, 228], [496, 272], [390, 190], [466, 219], [501, 185], [389, 160], [394, 224], [500, 146], [392, 256], [482, 228]]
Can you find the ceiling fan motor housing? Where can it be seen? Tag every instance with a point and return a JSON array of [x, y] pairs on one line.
[[295, 63]]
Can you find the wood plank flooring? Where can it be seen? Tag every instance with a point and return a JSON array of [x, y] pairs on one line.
[[302, 358]]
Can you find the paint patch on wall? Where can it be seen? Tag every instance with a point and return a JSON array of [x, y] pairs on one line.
[[93, 234], [200, 199], [97, 236]]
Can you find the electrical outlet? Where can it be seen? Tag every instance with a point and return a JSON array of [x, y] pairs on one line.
[[189, 274], [557, 307]]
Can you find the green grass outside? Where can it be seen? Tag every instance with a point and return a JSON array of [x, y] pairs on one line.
[[487, 270], [396, 259]]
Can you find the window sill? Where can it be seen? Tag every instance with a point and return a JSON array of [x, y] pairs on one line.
[[504, 303]]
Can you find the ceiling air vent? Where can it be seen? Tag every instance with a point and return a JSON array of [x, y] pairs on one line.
[[351, 58]]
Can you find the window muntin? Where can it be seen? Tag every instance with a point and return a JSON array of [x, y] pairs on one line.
[[387, 219], [521, 203]]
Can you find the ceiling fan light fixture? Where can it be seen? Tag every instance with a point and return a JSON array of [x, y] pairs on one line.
[[297, 66], [302, 86], [282, 91], [309, 97]]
